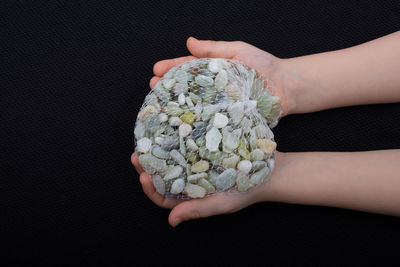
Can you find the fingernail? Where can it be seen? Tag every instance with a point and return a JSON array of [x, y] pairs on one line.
[[193, 38]]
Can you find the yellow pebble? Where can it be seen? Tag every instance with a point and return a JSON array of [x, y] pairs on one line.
[[266, 145]]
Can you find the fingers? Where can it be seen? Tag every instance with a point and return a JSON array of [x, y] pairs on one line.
[[207, 48], [200, 208], [150, 191], [135, 162], [161, 67], [154, 81]]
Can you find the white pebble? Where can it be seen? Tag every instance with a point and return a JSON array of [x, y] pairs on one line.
[[220, 120], [181, 99], [184, 129], [143, 145], [191, 145], [159, 140], [162, 117], [177, 186], [215, 65], [168, 83], [175, 121], [173, 173], [244, 166], [213, 138]]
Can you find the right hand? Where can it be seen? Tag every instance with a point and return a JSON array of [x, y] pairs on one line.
[[265, 63]]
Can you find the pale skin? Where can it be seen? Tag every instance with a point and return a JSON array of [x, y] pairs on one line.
[[367, 181]]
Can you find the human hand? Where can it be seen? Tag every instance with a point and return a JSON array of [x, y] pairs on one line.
[[268, 65], [220, 203]]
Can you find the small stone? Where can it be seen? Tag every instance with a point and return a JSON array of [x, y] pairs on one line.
[[195, 98], [221, 80], [220, 98], [146, 111], [198, 131], [204, 80], [233, 90], [257, 154], [175, 121], [253, 139], [258, 165], [271, 163], [230, 142], [264, 103], [206, 185], [263, 131], [189, 102], [226, 180], [163, 117], [143, 145], [212, 177], [174, 172], [209, 111], [172, 103], [182, 147], [170, 142], [188, 169], [236, 112], [173, 110], [175, 155], [211, 156], [196, 177], [194, 191], [260, 176], [188, 117], [191, 145], [158, 140], [231, 162], [197, 111], [177, 186], [181, 76], [242, 150], [181, 99], [213, 138], [160, 153], [246, 124], [185, 129], [244, 166], [181, 88], [168, 83], [215, 65], [243, 182], [161, 92], [140, 130], [159, 184], [192, 156], [266, 145], [152, 164], [201, 141], [200, 166], [220, 120]]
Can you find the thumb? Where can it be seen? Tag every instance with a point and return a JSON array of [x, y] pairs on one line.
[[207, 48], [195, 209]]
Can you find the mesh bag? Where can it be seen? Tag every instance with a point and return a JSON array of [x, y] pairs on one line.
[[205, 128]]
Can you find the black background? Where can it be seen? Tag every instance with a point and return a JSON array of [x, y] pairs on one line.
[[73, 75]]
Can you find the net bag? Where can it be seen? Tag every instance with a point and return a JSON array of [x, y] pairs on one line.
[[206, 128]]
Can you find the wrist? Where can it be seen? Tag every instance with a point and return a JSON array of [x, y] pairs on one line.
[[290, 85]]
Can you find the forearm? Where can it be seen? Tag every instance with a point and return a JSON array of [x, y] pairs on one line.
[[367, 181], [365, 74]]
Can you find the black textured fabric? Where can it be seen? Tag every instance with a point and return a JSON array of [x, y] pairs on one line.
[[73, 75]]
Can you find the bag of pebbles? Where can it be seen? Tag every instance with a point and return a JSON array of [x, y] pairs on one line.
[[205, 128]]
